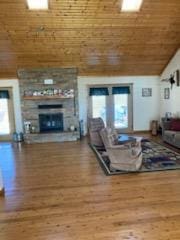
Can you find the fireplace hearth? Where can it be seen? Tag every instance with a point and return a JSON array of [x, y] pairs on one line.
[[51, 122]]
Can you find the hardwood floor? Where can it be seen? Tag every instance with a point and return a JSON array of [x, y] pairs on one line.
[[58, 191]]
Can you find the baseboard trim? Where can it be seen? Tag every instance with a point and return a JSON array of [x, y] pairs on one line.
[[145, 131], [132, 132]]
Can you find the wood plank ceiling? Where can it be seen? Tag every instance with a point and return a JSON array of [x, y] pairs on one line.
[[93, 35]]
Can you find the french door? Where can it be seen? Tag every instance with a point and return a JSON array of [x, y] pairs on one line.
[[99, 107], [115, 108], [7, 125]]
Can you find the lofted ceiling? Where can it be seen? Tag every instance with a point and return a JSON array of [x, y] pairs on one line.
[[93, 35]]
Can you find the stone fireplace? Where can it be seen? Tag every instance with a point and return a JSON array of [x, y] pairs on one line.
[[52, 116]]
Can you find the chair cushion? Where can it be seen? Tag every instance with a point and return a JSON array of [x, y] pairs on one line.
[[95, 139], [96, 124], [169, 133], [112, 136], [175, 125]]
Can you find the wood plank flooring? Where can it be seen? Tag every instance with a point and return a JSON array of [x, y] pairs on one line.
[[57, 191]]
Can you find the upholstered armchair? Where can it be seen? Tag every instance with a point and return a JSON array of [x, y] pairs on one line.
[[95, 125], [125, 157]]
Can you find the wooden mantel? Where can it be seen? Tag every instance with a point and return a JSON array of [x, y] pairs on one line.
[[45, 97]]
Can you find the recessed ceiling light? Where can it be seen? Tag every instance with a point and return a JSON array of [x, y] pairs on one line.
[[131, 5], [37, 4]]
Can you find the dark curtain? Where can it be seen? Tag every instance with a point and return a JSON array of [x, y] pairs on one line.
[[121, 90], [98, 92], [4, 94]]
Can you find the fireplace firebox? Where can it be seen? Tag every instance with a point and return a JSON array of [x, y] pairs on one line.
[[51, 122]]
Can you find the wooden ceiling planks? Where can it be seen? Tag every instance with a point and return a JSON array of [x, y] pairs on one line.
[[93, 35]]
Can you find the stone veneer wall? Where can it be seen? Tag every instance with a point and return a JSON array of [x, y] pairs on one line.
[[64, 78]]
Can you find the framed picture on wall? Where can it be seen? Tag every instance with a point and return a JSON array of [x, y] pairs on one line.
[[146, 92], [177, 77], [166, 93]]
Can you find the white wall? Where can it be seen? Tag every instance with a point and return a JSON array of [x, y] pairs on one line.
[[173, 104], [16, 100], [145, 109]]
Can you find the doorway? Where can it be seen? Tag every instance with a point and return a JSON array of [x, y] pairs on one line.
[[114, 104], [7, 124]]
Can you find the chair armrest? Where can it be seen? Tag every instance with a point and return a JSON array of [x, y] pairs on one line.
[[131, 153], [120, 147], [165, 125]]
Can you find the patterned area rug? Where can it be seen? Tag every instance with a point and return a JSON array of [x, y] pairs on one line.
[[155, 158]]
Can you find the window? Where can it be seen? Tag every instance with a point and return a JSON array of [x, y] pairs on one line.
[[4, 117], [113, 103], [121, 111], [99, 107], [131, 5], [37, 4]]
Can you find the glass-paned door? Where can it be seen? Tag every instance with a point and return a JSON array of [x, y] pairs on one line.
[[99, 107], [6, 115], [122, 107], [115, 108], [121, 111]]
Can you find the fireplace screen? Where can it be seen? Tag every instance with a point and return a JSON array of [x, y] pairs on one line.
[[51, 122]]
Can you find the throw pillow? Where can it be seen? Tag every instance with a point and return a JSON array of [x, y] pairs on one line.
[[112, 136], [114, 139], [175, 124]]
